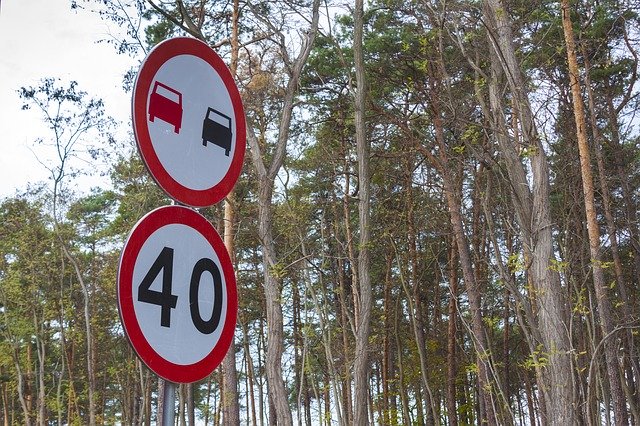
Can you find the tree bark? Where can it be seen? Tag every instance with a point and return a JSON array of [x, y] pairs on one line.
[[472, 287], [387, 361], [266, 179], [230, 398], [532, 206], [604, 304], [415, 304], [363, 147], [452, 411], [629, 363], [345, 322], [474, 294]]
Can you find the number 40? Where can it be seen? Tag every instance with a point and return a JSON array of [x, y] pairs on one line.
[[167, 301]]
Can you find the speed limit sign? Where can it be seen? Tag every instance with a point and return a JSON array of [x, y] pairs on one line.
[[177, 294]]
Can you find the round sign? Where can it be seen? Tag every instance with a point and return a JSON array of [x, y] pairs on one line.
[[177, 294], [189, 122]]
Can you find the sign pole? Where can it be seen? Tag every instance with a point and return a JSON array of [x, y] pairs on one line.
[[168, 408], [168, 403]]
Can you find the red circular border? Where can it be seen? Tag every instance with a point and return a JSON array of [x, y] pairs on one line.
[[140, 233], [150, 66]]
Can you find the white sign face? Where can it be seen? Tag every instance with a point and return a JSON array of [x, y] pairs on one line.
[[189, 122], [185, 247], [177, 294]]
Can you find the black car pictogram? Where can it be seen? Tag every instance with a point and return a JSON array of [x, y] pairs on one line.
[[216, 128]]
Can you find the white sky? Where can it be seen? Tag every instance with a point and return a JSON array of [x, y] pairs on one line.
[[45, 38]]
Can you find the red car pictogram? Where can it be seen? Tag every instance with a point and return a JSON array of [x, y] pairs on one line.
[[166, 104]]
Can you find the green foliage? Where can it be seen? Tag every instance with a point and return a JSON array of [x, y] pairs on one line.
[[538, 359]]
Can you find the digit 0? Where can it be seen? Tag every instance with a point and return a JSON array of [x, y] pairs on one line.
[[205, 265]]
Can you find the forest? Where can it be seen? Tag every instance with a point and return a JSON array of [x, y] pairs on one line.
[[436, 222]]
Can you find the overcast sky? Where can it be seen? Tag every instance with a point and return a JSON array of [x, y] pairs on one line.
[[45, 38]]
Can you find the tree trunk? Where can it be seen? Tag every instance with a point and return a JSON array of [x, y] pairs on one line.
[[474, 294], [5, 402], [266, 179], [472, 286], [146, 395], [629, 363], [230, 398], [604, 304], [251, 407], [230, 402], [182, 399], [387, 362], [605, 193], [452, 411], [333, 378], [86, 297], [415, 304], [363, 146], [402, 388], [347, 317], [345, 322], [191, 406], [275, 327], [24, 403], [351, 254], [532, 207], [41, 354]]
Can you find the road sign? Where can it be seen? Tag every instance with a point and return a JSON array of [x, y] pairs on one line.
[[189, 122], [177, 294]]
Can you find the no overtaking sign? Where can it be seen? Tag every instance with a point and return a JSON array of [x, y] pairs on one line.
[[189, 122]]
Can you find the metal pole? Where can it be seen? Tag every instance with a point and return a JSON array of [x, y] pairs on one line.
[[168, 408], [167, 405]]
